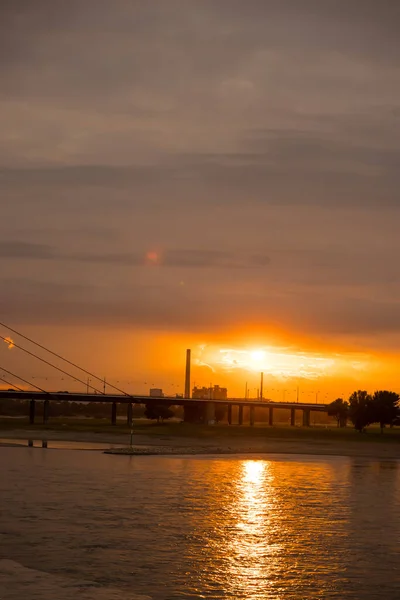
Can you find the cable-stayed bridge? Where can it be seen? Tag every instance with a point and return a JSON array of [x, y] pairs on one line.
[[195, 409]]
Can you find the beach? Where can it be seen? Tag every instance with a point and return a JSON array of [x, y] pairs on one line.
[[174, 444]]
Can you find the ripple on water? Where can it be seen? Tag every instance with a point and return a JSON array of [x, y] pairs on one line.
[[16, 580], [166, 528]]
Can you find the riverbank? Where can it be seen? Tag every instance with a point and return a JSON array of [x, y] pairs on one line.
[[179, 439]]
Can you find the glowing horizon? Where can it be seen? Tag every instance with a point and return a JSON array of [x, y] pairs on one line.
[[143, 359], [280, 362]]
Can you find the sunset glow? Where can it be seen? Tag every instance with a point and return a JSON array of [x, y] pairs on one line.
[[278, 362], [250, 214], [199, 233]]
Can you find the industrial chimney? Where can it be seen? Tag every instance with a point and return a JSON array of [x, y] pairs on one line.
[[187, 375]]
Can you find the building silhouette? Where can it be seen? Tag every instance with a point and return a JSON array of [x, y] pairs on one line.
[[156, 393], [210, 393]]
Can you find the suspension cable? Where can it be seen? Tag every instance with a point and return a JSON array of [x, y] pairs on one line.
[[62, 358], [52, 365], [24, 380], [13, 384]]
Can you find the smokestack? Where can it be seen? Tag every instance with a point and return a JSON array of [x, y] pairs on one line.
[[187, 375], [262, 386]]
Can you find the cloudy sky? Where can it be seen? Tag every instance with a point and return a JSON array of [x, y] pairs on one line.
[[201, 168]]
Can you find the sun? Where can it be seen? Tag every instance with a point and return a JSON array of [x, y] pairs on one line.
[[257, 355], [257, 359], [246, 358]]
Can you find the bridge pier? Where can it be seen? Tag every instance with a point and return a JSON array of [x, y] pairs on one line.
[[240, 414], [270, 416], [114, 413], [210, 413], [252, 412], [129, 414], [292, 417], [32, 411], [46, 411], [187, 414], [229, 414], [306, 417]]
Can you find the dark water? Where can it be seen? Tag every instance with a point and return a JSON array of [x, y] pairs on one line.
[[88, 525]]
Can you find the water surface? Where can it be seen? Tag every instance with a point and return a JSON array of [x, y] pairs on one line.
[[166, 528]]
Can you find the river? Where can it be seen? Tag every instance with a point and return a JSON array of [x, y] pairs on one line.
[[88, 525]]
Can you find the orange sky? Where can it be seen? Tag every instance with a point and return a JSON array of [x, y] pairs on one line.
[[212, 173], [139, 360]]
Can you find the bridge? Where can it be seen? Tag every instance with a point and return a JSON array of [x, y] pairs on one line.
[[195, 409]]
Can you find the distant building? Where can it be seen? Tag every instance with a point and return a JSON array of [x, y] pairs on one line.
[[156, 393], [211, 393], [200, 392]]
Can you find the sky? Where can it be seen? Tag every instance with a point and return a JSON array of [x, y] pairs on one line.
[[214, 174]]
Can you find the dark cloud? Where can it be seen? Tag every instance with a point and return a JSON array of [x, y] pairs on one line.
[[182, 309], [25, 250], [212, 258], [95, 175], [215, 134], [184, 258]]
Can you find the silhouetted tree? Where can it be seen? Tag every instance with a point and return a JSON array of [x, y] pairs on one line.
[[340, 410], [361, 410], [385, 407], [12, 408], [15, 407], [158, 412], [396, 421]]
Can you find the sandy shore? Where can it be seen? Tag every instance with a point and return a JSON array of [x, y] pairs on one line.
[[175, 445]]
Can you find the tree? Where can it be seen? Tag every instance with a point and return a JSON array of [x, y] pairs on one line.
[[396, 421], [340, 410], [361, 410], [385, 407], [159, 412]]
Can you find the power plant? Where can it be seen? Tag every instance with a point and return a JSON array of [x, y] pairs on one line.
[[187, 374]]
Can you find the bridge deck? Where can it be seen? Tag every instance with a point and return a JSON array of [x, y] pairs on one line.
[[136, 399]]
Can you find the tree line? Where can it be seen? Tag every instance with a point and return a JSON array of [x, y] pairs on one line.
[[364, 409]]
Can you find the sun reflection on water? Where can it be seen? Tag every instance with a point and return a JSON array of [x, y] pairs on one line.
[[252, 546], [269, 524]]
